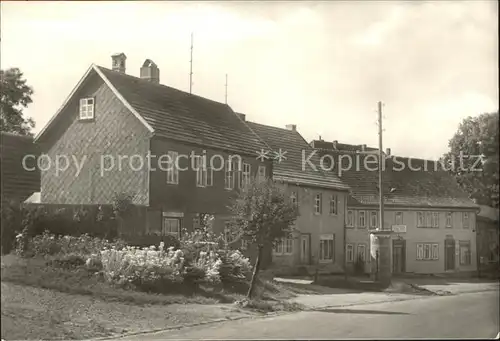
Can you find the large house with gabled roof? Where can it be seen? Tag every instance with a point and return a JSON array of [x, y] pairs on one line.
[[321, 197], [120, 134], [433, 219]]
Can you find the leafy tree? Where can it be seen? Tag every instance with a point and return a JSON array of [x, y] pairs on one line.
[[263, 214], [476, 139], [16, 95]]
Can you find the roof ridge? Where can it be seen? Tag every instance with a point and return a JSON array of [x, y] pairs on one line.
[[162, 85]]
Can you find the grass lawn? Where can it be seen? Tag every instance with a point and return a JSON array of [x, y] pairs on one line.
[[44, 302]]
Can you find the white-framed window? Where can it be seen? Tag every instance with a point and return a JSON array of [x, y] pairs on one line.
[[420, 219], [210, 176], [172, 170], [427, 251], [294, 198], [350, 218], [244, 244], [435, 251], [201, 171], [435, 219], [261, 173], [86, 108], [171, 226], [373, 219], [428, 219], [361, 254], [317, 203], [449, 219], [362, 219], [229, 175], [398, 219], [465, 220], [349, 253], [244, 175], [326, 248], [465, 252], [333, 204], [283, 247]]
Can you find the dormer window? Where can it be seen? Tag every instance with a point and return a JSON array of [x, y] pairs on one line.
[[86, 108]]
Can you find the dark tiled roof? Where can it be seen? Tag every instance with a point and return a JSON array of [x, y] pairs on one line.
[[290, 169], [185, 117], [424, 186], [325, 145]]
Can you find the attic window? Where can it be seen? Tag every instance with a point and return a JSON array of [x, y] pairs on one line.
[[86, 108]]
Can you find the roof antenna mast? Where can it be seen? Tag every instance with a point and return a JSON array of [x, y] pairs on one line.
[[191, 67], [226, 88]]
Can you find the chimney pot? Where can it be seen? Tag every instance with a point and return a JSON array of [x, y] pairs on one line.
[[150, 72], [118, 62], [242, 116], [388, 151], [335, 144], [292, 127]]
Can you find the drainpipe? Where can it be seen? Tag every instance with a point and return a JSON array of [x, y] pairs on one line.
[[345, 238], [345, 256]]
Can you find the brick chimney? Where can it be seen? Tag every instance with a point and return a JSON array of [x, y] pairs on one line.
[[363, 147], [242, 116], [291, 127], [150, 72], [118, 62], [388, 151], [335, 144]]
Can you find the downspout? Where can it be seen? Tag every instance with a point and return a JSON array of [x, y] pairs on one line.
[[345, 238]]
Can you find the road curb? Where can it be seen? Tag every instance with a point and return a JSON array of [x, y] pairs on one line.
[[274, 314], [180, 326]]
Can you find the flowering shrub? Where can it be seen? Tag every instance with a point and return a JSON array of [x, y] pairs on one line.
[[234, 267], [144, 268]]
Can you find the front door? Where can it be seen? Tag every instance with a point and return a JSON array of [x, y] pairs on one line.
[[305, 241], [398, 256], [449, 256]]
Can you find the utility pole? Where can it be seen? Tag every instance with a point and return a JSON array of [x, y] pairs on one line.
[[226, 88], [381, 160], [191, 67]]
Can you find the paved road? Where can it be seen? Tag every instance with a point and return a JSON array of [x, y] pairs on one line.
[[471, 315]]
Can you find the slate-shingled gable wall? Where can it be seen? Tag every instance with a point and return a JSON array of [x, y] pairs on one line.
[[115, 131]]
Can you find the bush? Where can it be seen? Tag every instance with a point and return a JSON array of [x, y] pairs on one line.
[[147, 269], [68, 261], [12, 215], [235, 268], [49, 244], [97, 221]]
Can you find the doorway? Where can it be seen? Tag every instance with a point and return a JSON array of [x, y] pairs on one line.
[[305, 249], [398, 256], [449, 254]]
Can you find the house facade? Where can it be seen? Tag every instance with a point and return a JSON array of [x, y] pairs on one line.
[[176, 154], [320, 196], [488, 239], [432, 219]]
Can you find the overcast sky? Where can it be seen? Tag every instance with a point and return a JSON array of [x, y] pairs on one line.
[[320, 65]]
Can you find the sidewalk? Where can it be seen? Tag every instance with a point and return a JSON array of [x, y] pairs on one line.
[[454, 287], [343, 299]]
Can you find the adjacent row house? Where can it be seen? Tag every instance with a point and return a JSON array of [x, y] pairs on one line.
[[432, 218]]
